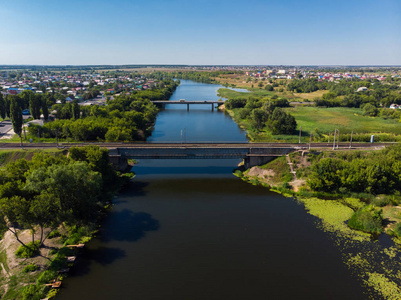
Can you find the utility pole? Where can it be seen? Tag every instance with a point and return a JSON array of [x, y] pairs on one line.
[[25, 135], [338, 138], [350, 142], [328, 139], [334, 142], [300, 132], [310, 140]]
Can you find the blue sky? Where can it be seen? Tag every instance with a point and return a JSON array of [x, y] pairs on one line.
[[288, 32]]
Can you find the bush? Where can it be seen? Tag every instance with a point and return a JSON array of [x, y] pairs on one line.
[[269, 88], [380, 201], [46, 277], [367, 219], [54, 234], [29, 251], [32, 292], [397, 229], [30, 268]]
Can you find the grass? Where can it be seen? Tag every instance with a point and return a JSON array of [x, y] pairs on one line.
[[344, 119], [7, 156], [310, 96], [253, 92]]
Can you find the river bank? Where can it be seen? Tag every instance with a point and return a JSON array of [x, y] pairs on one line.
[[40, 242], [374, 258]]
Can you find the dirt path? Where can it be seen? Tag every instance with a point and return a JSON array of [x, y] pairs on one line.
[[291, 167], [295, 183]]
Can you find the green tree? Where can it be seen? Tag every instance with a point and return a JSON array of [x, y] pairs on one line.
[[75, 110], [259, 118], [74, 187], [45, 108], [16, 115], [2, 107]]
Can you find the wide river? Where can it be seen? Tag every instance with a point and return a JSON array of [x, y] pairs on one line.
[[189, 229]]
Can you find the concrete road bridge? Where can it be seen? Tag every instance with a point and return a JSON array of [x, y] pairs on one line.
[[163, 103], [253, 154]]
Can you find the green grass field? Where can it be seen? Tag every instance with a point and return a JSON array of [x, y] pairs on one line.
[[230, 94], [345, 119]]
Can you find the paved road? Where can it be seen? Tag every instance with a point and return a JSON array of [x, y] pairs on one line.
[[5, 126]]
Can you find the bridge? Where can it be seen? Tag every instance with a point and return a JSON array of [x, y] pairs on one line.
[[187, 102], [253, 154]]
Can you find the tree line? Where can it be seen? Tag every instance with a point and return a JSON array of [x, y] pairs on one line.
[[263, 113]]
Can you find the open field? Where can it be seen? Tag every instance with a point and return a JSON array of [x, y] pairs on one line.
[[310, 96], [230, 94], [345, 119]]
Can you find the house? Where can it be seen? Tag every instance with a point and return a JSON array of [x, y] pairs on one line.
[[394, 106], [362, 89]]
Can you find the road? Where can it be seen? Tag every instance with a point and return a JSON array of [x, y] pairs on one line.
[[5, 127]]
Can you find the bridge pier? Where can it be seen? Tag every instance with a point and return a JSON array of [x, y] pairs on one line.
[[252, 161], [212, 107], [119, 163]]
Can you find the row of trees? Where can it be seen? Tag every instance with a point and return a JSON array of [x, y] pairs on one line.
[[264, 112], [375, 173], [125, 118], [11, 106]]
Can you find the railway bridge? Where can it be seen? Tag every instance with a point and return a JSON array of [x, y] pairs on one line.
[[253, 154]]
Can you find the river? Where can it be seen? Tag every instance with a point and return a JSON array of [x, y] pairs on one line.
[[189, 229]]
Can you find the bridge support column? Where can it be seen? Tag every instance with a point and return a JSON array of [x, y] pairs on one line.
[[252, 161], [119, 163], [212, 107], [187, 107]]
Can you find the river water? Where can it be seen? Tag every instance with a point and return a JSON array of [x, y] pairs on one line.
[[189, 229]]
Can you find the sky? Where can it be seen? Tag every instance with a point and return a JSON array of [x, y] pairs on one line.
[[201, 32]]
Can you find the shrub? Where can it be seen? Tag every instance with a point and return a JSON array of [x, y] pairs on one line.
[[46, 277], [54, 234], [367, 219], [32, 292], [30, 268], [397, 229], [29, 251], [269, 88], [380, 201]]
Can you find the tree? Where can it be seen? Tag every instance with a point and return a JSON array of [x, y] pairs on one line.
[[7, 106], [259, 117], [45, 108], [74, 187], [2, 107], [269, 88], [75, 110], [16, 115], [281, 122], [370, 110]]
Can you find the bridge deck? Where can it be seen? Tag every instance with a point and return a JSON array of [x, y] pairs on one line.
[[186, 102]]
